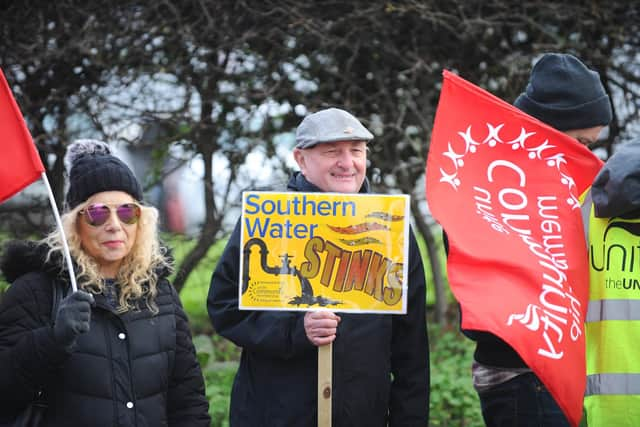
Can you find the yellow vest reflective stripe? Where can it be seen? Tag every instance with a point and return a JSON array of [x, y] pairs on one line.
[[613, 384], [612, 397], [615, 309]]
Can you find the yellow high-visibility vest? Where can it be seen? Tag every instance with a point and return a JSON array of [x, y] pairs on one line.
[[612, 397]]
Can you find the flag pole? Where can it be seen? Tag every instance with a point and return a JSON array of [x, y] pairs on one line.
[[65, 246], [23, 157]]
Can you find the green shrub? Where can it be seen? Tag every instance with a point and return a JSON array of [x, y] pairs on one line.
[[218, 359], [3, 287], [453, 400]]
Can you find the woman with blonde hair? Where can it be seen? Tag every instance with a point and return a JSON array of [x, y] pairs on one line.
[[117, 352]]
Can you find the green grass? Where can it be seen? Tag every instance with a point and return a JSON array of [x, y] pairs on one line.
[[194, 293], [442, 259]]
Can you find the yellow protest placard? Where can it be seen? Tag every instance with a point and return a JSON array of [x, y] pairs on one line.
[[342, 252]]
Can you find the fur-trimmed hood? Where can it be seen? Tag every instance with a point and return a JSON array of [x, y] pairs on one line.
[[20, 257]]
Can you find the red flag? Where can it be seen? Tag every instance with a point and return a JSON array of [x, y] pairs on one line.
[[505, 187], [20, 163]]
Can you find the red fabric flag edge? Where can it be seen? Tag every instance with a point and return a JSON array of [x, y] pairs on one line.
[[32, 171], [571, 412]]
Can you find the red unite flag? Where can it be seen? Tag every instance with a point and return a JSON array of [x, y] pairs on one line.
[[506, 188], [20, 164]]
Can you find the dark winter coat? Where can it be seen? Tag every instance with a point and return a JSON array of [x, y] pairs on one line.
[[131, 369], [616, 188], [380, 362]]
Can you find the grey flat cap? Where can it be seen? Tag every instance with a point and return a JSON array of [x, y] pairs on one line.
[[330, 125]]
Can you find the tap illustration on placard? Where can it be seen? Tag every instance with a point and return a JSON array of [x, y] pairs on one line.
[[306, 296]]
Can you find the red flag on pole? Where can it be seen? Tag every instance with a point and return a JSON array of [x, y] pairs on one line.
[[20, 163], [505, 187]]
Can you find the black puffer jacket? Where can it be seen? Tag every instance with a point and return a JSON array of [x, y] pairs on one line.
[[131, 369], [380, 362]]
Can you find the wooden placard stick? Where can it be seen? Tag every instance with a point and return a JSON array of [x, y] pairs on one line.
[[325, 385]]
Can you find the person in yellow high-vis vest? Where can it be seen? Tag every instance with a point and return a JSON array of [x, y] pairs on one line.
[[612, 397]]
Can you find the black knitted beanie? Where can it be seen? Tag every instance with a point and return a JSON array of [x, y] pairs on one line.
[[93, 169], [565, 94]]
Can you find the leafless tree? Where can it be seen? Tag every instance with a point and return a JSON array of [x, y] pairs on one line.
[[224, 62]]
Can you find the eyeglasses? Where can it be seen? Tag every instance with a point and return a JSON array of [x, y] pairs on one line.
[[98, 213]]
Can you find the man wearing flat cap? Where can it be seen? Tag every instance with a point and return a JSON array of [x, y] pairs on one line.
[[380, 362]]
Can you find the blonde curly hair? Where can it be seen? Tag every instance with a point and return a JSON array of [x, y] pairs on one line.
[[137, 277]]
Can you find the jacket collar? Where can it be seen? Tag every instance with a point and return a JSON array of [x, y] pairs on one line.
[[298, 182]]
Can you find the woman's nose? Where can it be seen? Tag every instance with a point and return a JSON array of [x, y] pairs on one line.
[[113, 222]]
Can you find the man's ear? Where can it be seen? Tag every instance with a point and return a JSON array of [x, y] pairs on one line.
[[299, 157]]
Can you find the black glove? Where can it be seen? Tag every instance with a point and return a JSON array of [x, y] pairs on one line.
[[73, 318]]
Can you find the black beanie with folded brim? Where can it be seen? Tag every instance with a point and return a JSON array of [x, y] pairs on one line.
[[565, 94], [94, 169]]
